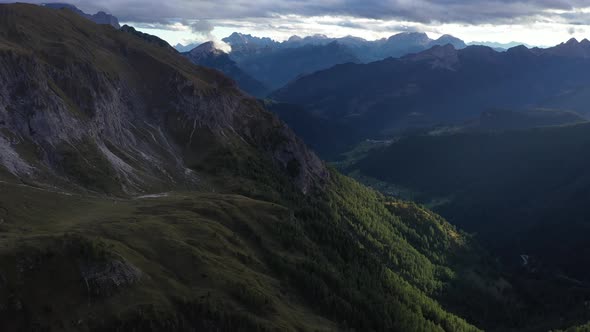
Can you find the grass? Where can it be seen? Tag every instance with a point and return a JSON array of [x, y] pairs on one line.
[[190, 247], [83, 162]]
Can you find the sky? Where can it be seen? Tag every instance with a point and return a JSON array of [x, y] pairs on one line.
[[535, 22]]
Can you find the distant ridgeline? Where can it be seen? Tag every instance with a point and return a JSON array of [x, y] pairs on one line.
[[99, 18], [443, 86], [277, 63]]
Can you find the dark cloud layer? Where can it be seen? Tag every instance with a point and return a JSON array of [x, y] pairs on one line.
[[424, 11]]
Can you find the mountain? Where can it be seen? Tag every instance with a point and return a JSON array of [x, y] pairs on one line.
[[448, 39], [208, 55], [148, 38], [326, 137], [265, 59], [400, 45], [98, 18], [276, 67], [239, 40], [404, 43], [139, 191], [317, 39], [440, 85], [128, 107], [499, 46], [184, 48], [572, 48], [245, 46]]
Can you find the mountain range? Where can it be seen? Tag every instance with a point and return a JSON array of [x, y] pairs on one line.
[[244, 45], [277, 67], [443, 85], [209, 56], [499, 46], [264, 59]]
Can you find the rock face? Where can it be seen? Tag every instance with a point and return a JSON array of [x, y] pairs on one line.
[[241, 41], [106, 277], [110, 111]]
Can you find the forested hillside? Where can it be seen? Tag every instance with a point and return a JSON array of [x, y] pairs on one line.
[[523, 192]]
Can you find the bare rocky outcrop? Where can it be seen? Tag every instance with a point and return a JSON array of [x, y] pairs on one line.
[[102, 279], [127, 108]]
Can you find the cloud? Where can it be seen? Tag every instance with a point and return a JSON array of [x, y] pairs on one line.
[[204, 29], [572, 30], [424, 11], [498, 20], [201, 26]]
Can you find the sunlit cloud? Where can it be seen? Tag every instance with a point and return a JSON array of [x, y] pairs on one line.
[[538, 22]]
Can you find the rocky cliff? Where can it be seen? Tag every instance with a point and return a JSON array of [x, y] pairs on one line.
[[106, 110]]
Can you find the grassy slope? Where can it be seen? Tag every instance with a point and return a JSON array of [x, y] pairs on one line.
[[198, 248], [27, 27], [212, 258]]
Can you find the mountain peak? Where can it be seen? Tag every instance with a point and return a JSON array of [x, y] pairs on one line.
[[409, 35], [571, 48], [204, 51], [439, 56], [318, 36], [206, 47], [519, 50], [247, 40], [449, 39]]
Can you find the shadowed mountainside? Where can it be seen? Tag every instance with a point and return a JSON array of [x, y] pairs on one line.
[[443, 85]]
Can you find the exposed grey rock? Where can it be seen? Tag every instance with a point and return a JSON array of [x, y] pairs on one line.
[[105, 278], [141, 123]]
